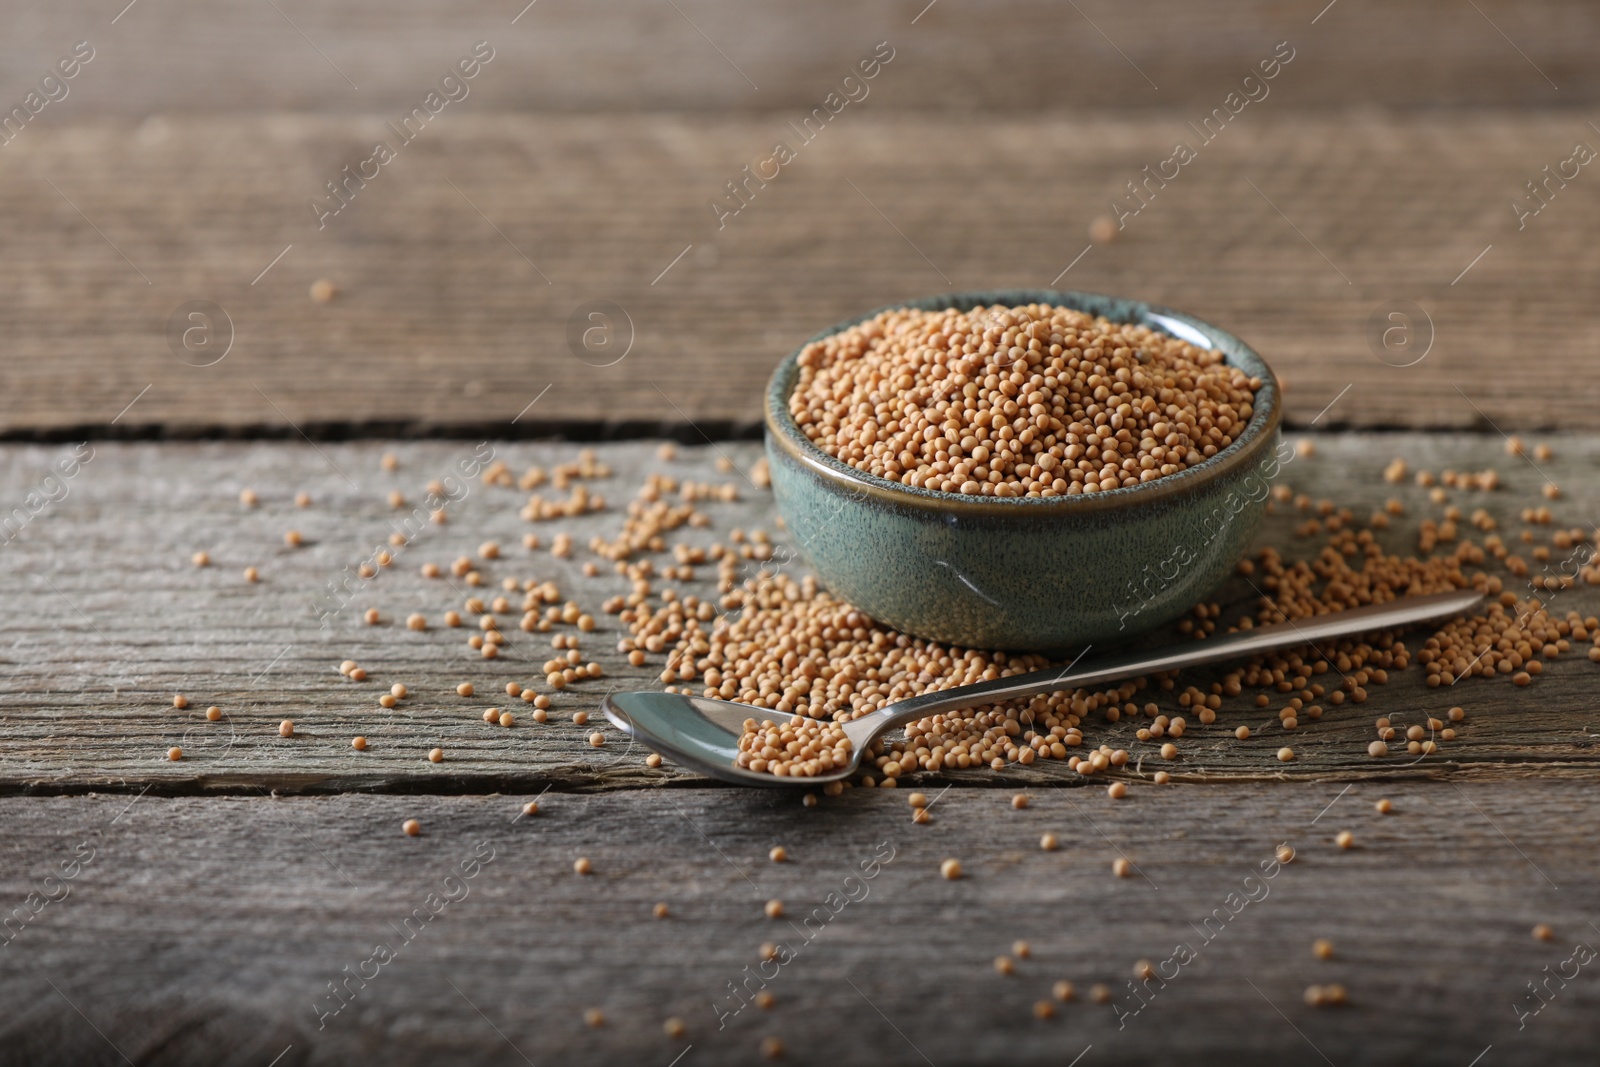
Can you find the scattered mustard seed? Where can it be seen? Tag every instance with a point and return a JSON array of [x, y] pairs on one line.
[[174, 753], [582, 865], [213, 713], [1004, 965], [779, 854], [1345, 839], [950, 869], [1122, 867], [180, 701], [358, 743], [774, 909], [772, 1048], [1322, 948], [1019, 801], [1064, 991], [661, 911], [286, 728], [594, 1017], [412, 827], [201, 559], [1384, 806], [674, 1028], [436, 755], [1543, 932]]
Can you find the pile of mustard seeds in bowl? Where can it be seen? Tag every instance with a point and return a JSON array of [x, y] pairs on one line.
[[1034, 400]]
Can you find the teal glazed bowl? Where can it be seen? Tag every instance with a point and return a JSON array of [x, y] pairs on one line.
[[1029, 573]]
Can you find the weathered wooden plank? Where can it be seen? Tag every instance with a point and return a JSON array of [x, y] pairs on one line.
[[208, 930], [453, 321], [107, 618], [713, 56]]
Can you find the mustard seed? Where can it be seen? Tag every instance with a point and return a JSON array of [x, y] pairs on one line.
[[286, 728], [921, 816], [1016, 363], [323, 291], [950, 869], [387, 700], [251, 574], [772, 1048], [180, 701], [213, 713], [1021, 949], [1019, 801], [653, 760], [1161, 778], [507, 719], [582, 865], [1377, 748], [1049, 843], [1242, 733], [1345, 839], [1117, 790], [248, 498], [1043, 1009], [1169, 751], [1121, 867], [358, 674], [358, 743], [531, 808], [436, 755], [1004, 965], [594, 1018], [1384, 806], [1285, 755], [464, 689], [661, 911], [412, 827], [174, 754], [372, 617], [1064, 992], [1322, 948], [779, 854], [1100, 993], [201, 559], [1543, 932], [415, 621], [293, 539], [917, 800], [1285, 853], [390, 461], [580, 718]]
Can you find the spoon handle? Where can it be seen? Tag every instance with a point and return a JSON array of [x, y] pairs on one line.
[[1306, 631]]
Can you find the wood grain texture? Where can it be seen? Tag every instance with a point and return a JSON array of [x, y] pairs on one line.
[[108, 619], [727, 56], [207, 930], [457, 302]]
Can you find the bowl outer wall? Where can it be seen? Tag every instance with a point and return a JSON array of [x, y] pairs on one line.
[[1029, 574]]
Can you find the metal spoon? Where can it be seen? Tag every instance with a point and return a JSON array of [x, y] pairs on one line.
[[703, 734]]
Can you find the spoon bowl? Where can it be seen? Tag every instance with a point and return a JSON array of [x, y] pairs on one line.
[[702, 734]]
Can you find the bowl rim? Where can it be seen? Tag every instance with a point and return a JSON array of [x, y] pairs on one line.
[[1265, 420]]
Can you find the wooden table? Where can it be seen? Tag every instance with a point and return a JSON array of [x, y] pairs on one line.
[[197, 911]]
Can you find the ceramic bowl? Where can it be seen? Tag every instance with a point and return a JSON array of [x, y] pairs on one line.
[[1029, 573]]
